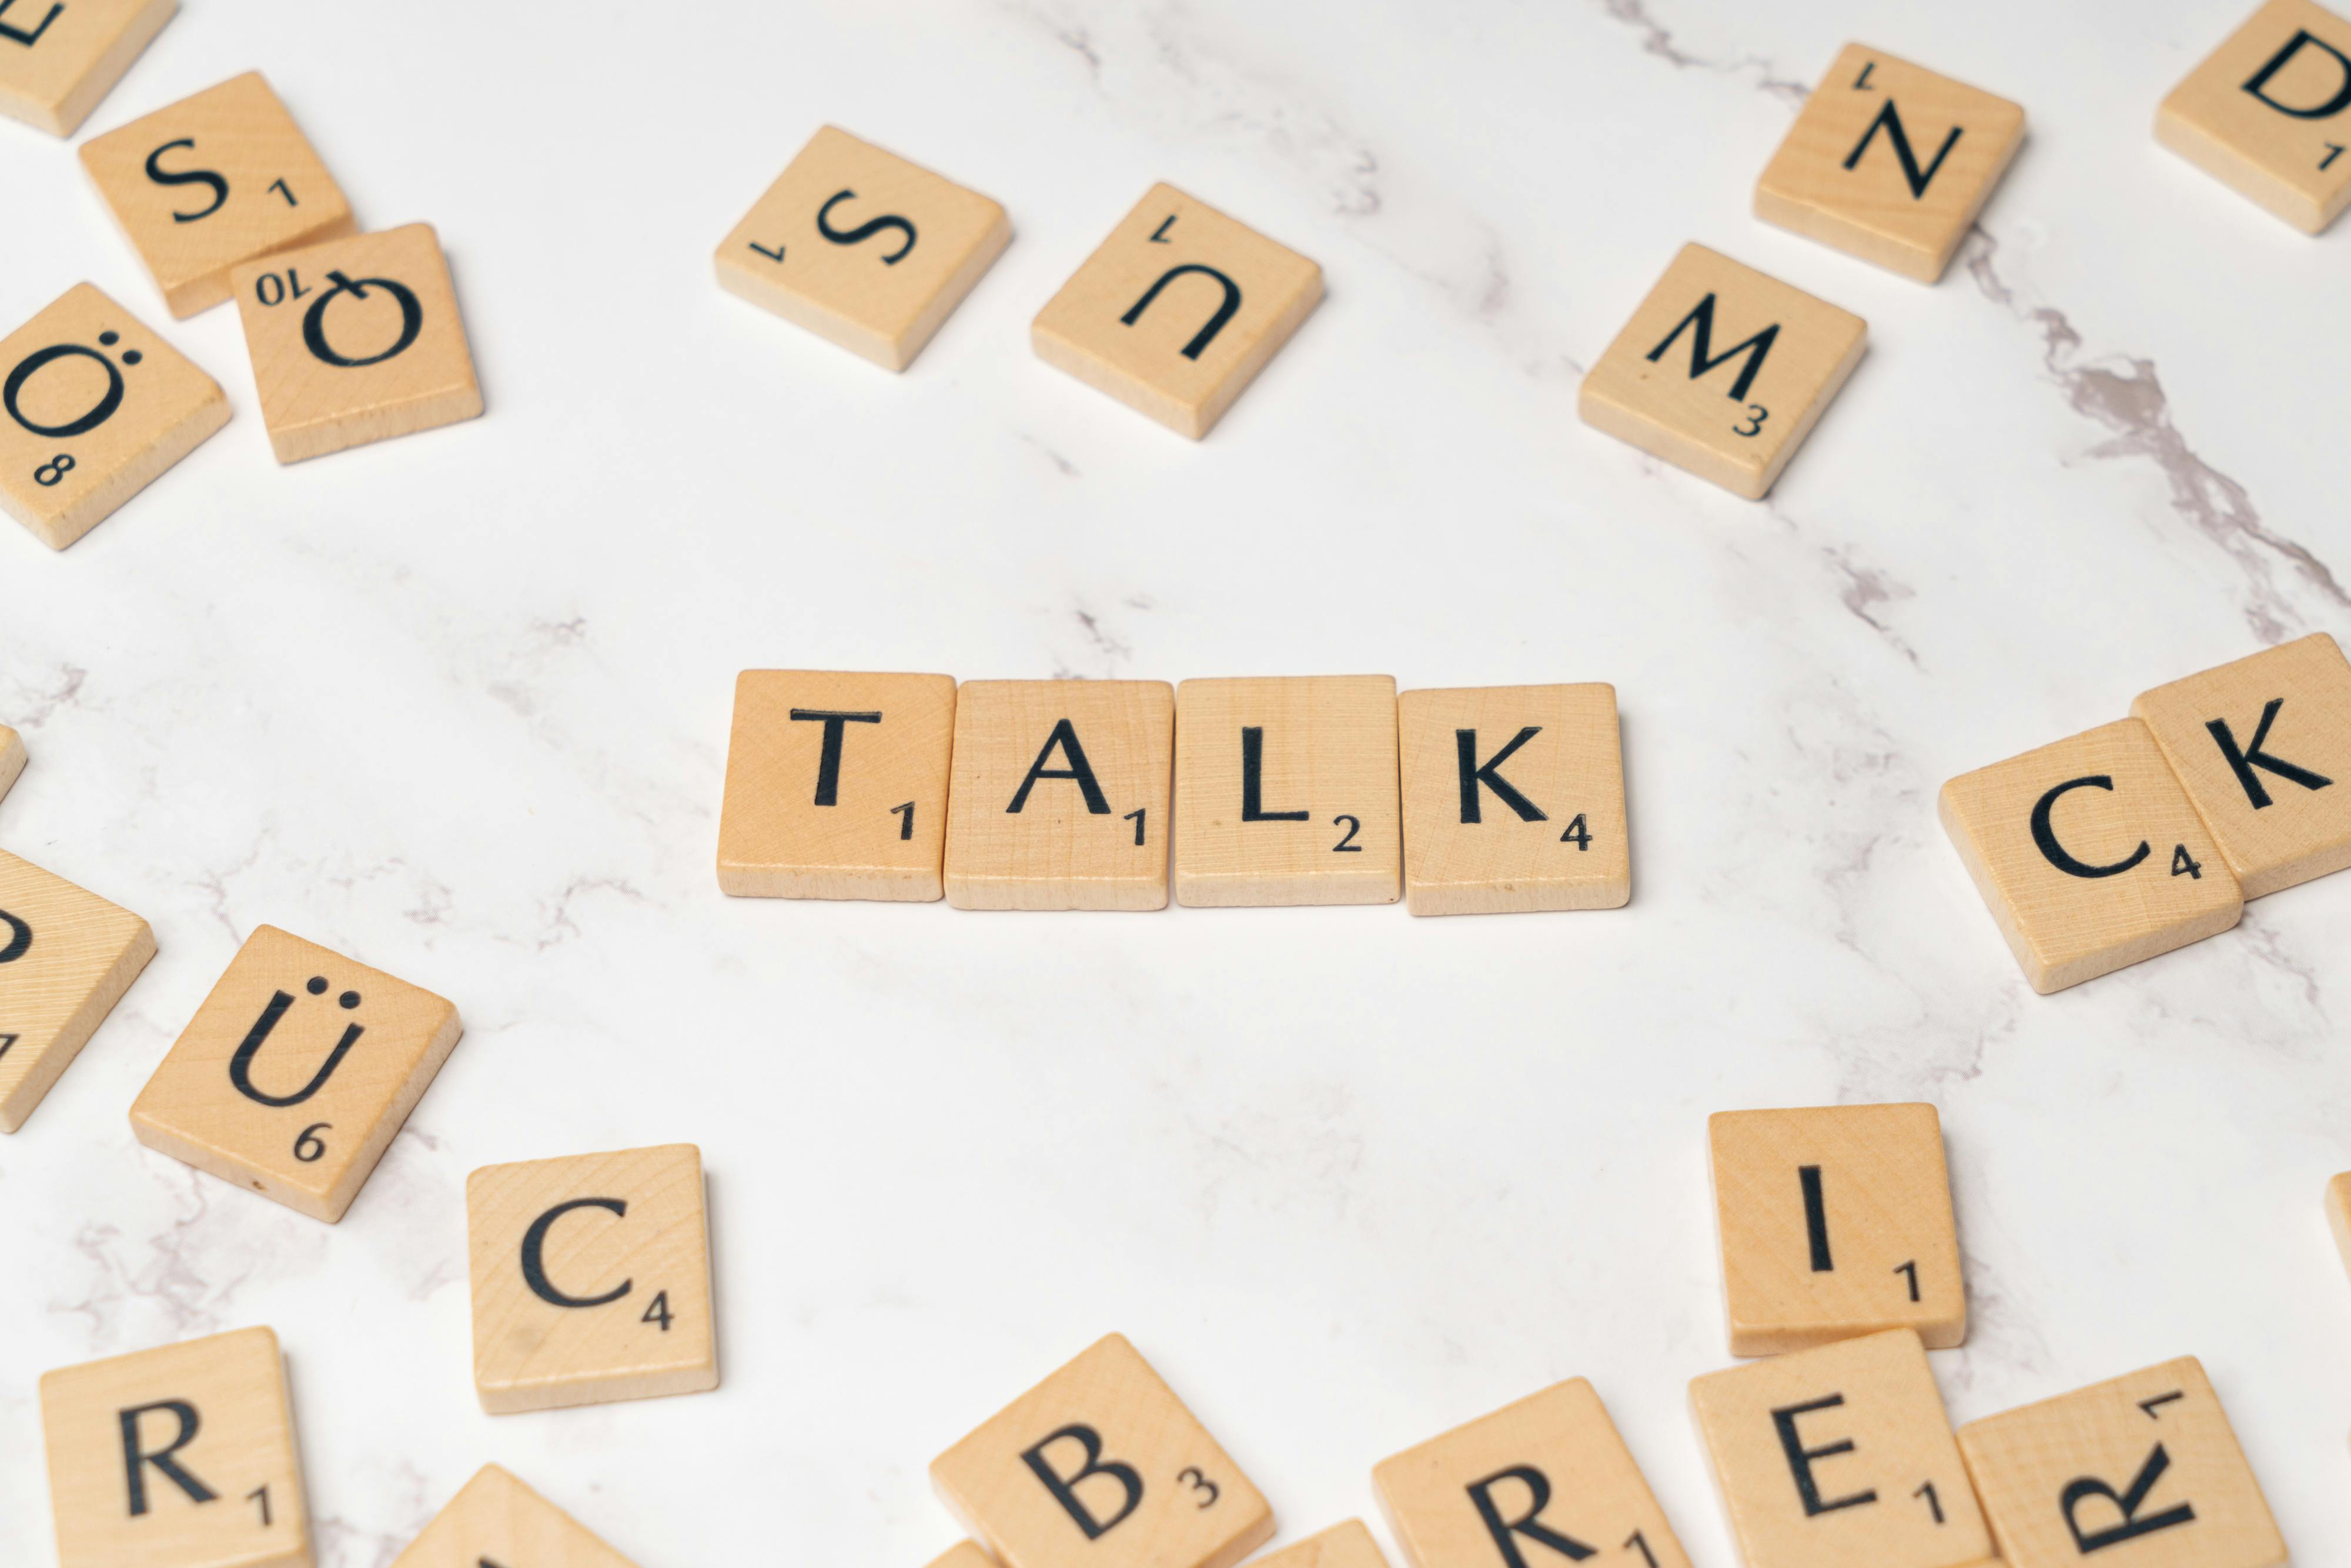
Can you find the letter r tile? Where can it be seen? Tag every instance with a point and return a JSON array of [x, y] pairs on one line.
[[2268, 114], [1101, 1466]]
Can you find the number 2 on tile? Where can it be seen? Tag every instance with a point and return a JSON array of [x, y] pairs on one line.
[[1348, 846]]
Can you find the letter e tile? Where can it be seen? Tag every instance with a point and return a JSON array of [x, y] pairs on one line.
[[65, 958], [56, 60], [2268, 114], [496, 1520]]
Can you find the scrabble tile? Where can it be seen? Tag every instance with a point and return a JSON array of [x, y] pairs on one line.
[[591, 1279], [181, 1457], [2090, 855], [863, 249], [2263, 748], [2339, 1213], [1841, 1458], [56, 60], [1348, 1545], [97, 407], [1101, 1466], [356, 340], [295, 1074], [1178, 311], [1060, 795], [1286, 787], [2270, 113], [65, 958], [1836, 1222], [12, 759], [1513, 800], [1723, 371], [836, 786], [1890, 161], [213, 181], [2141, 1472], [496, 1520], [1544, 1479], [963, 1554]]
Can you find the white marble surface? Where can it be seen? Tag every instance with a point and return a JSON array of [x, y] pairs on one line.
[[457, 704]]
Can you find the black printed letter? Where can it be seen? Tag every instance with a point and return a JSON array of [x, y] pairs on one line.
[[1900, 139], [828, 761], [1065, 1487], [1253, 781], [1702, 357], [2243, 762], [2332, 107], [534, 1259], [1800, 1458], [1529, 1524], [163, 176], [1064, 736], [1206, 334], [136, 1459], [2044, 836], [1465, 742], [2132, 1527]]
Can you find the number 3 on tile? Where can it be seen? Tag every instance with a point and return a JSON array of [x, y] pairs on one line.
[[1756, 414], [1207, 1489]]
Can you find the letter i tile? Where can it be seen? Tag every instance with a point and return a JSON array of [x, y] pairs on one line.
[[1101, 1466], [2268, 114]]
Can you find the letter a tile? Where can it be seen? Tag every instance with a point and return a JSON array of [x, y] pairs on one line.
[[1101, 1466], [1890, 161], [496, 1520], [2263, 747], [591, 1279], [181, 1457], [1549, 1473], [11, 759], [97, 408], [1178, 311], [65, 958], [1841, 1458], [2141, 1472], [1723, 371], [2270, 113], [2090, 855], [56, 60], [295, 1074], [1348, 1545], [212, 181], [864, 248]]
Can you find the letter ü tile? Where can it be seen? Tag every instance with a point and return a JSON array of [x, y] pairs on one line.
[[2268, 114]]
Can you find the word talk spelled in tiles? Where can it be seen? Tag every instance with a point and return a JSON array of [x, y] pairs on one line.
[[65, 958], [1178, 311], [1513, 800], [210, 182], [97, 407], [1723, 371], [2141, 1472], [2090, 855], [181, 1457], [1836, 1222], [1543, 1480], [863, 249], [297, 1072], [496, 1520], [1101, 1466], [2270, 113], [56, 60], [836, 786], [1841, 1458], [591, 1279]]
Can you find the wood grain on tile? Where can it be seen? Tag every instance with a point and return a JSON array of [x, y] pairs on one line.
[[1343, 1545], [56, 60], [495, 1520], [11, 759], [65, 958], [2268, 114]]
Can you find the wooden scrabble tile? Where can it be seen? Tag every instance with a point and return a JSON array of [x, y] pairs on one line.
[[1060, 795], [496, 1520], [1836, 1222], [863, 249], [65, 958], [297, 1072], [1101, 1466], [213, 181], [591, 1279], [1723, 371], [1841, 1458], [12, 759], [1547, 1472], [836, 786], [1890, 161], [181, 1457], [2270, 113], [97, 408], [2090, 855], [2264, 747], [1513, 799], [356, 340], [2141, 1472], [56, 60], [1286, 787], [1347, 1545], [1178, 310], [2339, 1213], [963, 1554]]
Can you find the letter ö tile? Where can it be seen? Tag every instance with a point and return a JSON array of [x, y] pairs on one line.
[[1177, 311], [591, 1279], [180, 1456], [1101, 1466], [213, 181], [1542, 1481], [2268, 114], [1723, 371], [1841, 1458], [496, 1520], [1347, 1545], [56, 60], [65, 958], [296, 1073], [2141, 1472]]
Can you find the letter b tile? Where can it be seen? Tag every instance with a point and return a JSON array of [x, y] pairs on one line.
[[2141, 1472], [497, 1521], [2268, 114], [1101, 1466]]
